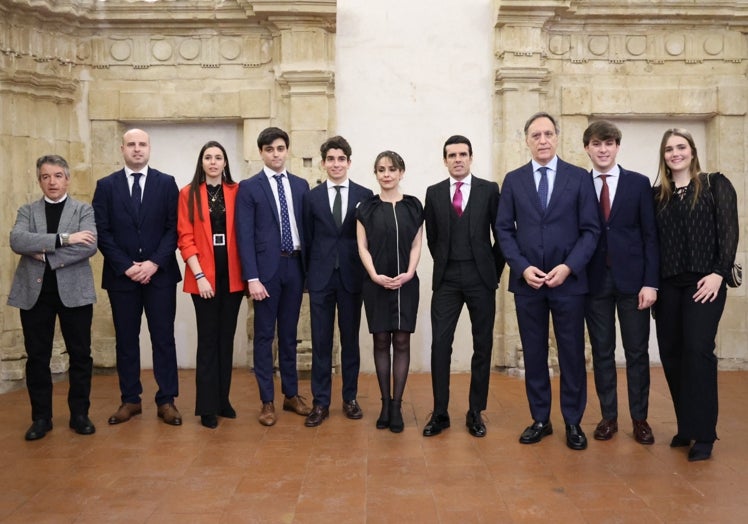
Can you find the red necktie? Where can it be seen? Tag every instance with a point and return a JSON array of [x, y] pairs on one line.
[[605, 198], [457, 199]]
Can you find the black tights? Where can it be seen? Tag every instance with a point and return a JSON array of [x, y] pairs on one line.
[[400, 342]]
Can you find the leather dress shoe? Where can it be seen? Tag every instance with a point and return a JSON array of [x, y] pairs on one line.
[[209, 421], [297, 404], [227, 412], [475, 424], [575, 437], [352, 410], [700, 451], [435, 425], [535, 432], [39, 428], [82, 425], [606, 428], [317, 416], [169, 413], [680, 442], [125, 412], [642, 432], [267, 414]]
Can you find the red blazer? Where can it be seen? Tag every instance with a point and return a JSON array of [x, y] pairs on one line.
[[197, 239]]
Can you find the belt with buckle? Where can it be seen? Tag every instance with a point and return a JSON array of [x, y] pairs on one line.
[[291, 254], [219, 239]]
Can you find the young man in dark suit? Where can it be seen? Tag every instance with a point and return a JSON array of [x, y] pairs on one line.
[[334, 277], [460, 217], [623, 276], [270, 235], [136, 216], [548, 229]]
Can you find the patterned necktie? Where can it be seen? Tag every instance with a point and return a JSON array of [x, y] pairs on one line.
[[337, 207], [457, 199], [543, 188], [286, 239], [605, 197], [136, 193]]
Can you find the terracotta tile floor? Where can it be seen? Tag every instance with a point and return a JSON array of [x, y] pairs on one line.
[[347, 471]]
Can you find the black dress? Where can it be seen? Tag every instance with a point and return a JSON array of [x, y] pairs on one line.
[[390, 230]]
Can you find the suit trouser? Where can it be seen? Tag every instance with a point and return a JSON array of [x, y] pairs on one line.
[[600, 312], [322, 307], [38, 334], [568, 326], [281, 308], [160, 306], [216, 326], [685, 334], [461, 285]]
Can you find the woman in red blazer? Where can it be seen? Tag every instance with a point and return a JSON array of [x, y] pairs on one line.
[[207, 243]]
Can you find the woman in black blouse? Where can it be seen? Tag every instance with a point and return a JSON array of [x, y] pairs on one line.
[[389, 234], [697, 222]]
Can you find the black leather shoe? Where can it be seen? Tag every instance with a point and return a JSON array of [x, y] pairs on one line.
[[396, 416], [475, 424], [352, 410], [209, 421], [435, 425], [575, 437], [535, 432], [383, 422], [39, 428], [700, 451], [82, 425], [317, 416], [680, 442], [227, 412]]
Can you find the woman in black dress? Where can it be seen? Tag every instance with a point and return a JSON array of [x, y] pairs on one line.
[[697, 222], [389, 243]]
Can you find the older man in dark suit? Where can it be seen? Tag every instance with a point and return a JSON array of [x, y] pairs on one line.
[[270, 235], [623, 276], [548, 229], [460, 215], [136, 215], [55, 237]]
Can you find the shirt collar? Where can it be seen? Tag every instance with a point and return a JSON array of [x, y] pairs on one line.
[[270, 173], [552, 165], [331, 184], [614, 172], [58, 201], [465, 181], [129, 171]]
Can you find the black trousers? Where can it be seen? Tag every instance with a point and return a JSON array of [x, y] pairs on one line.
[[38, 335], [600, 313], [685, 333], [461, 285]]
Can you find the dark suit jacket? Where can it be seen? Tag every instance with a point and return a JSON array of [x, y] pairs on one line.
[[484, 201], [566, 233], [258, 224], [628, 239], [324, 240], [125, 238]]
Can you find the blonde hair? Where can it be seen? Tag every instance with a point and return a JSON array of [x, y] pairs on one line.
[[665, 175]]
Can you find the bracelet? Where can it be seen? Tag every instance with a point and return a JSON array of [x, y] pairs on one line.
[[200, 275]]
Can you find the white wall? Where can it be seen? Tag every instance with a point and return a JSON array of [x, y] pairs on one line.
[[408, 75]]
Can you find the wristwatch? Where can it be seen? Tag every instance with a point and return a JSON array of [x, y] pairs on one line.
[[65, 239]]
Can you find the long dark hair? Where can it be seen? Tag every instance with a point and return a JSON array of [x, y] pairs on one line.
[[199, 178]]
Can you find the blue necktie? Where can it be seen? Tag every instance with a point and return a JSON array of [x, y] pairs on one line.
[[136, 193], [286, 238], [543, 188]]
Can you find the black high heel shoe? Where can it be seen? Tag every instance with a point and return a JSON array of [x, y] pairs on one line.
[[383, 422], [396, 416], [700, 451]]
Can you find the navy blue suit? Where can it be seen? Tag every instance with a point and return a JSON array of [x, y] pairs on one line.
[[626, 259], [259, 239], [334, 278], [566, 233], [124, 238]]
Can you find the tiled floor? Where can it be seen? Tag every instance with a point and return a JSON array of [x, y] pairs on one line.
[[347, 471]]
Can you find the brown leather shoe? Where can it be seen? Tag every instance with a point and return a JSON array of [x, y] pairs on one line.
[[317, 416], [169, 413], [297, 404], [125, 412], [352, 410], [642, 432], [606, 429], [267, 414]]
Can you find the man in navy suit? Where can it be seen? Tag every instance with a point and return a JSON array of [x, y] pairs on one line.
[[334, 278], [271, 239], [623, 275], [136, 217], [548, 229]]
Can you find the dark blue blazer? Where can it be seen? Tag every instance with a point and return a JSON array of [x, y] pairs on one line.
[[124, 238], [628, 239], [324, 240], [258, 224], [566, 233]]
